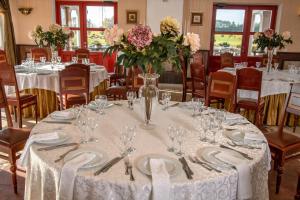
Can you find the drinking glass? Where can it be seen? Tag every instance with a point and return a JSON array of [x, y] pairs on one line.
[[92, 124], [74, 59], [53, 62], [127, 136], [257, 64], [180, 135], [101, 101], [131, 95], [245, 64], [172, 135], [205, 125], [214, 127], [166, 97]]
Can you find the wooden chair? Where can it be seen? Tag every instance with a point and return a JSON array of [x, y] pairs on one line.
[[227, 60], [283, 145], [117, 77], [250, 79], [198, 76], [12, 140], [74, 85], [297, 197], [19, 100], [221, 87], [36, 53], [81, 54], [296, 119], [117, 92]]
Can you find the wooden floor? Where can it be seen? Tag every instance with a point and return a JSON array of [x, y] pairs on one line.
[[287, 191]]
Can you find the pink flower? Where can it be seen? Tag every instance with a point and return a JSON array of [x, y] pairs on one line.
[[269, 33], [140, 36], [113, 35]]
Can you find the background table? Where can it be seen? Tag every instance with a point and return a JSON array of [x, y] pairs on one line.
[[46, 86], [275, 87], [42, 173]]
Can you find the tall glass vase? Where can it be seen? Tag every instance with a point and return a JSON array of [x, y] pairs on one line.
[[148, 94], [54, 52], [270, 59]]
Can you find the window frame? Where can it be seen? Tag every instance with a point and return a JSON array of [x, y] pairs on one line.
[[83, 17], [246, 26]]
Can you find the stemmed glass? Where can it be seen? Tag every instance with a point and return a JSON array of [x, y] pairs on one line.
[[53, 62], [101, 101], [195, 104], [43, 60], [92, 124], [74, 59], [172, 134], [127, 135], [131, 95], [180, 135], [166, 97], [205, 123], [257, 64], [58, 58]]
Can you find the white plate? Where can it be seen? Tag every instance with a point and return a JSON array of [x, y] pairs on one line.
[[100, 158], [206, 154], [172, 165], [55, 115], [62, 137]]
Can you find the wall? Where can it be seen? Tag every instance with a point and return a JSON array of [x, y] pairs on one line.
[[43, 13]]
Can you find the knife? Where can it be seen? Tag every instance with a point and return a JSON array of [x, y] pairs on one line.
[[185, 168], [56, 146], [57, 122], [242, 153], [64, 155], [108, 165]]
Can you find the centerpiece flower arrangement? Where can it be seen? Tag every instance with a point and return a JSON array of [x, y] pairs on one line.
[[271, 40], [56, 36], [140, 47]]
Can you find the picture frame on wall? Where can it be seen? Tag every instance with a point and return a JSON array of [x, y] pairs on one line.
[[197, 19], [132, 16]]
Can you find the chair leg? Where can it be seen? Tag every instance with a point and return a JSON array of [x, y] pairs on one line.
[[13, 169], [0, 120], [15, 114], [36, 112], [19, 113], [295, 123], [297, 197], [279, 171]]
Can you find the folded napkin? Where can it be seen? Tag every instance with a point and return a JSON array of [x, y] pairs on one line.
[[68, 174], [233, 116], [251, 137], [160, 180], [23, 161], [62, 114], [244, 190]]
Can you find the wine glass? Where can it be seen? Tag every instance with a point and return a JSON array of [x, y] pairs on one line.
[[180, 136], [92, 124], [74, 59], [127, 135], [257, 64], [53, 62], [195, 104], [101, 101], [172, 135], [58, 58], [131, 95]]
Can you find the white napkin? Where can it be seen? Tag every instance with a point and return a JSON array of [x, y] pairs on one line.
[[253, 137], [244, 190], [62, 114], [233, 116], [23, 161], [160, 180], [68, 175]]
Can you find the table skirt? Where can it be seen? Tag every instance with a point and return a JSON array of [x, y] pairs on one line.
[[47, 100]]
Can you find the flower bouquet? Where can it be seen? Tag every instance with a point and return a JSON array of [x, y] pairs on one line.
[[271, 40]]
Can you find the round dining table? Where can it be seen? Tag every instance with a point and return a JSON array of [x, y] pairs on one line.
[[275, 86], [43, 80], [43, 173]]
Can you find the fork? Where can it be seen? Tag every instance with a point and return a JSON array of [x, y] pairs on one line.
[[64, 155]]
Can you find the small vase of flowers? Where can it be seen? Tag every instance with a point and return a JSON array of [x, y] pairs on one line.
[[271, 40]]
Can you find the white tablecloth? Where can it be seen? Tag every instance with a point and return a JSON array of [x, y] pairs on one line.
[[274, 82], [43, 174], [51, 81]]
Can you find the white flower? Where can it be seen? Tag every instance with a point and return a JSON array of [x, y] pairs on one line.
[[113, 35], [286, 35], [54, 28], [66, 30], [256, 35], [192, 40]]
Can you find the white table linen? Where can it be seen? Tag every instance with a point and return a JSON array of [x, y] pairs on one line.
[[274, 82], [51, 81], [42, 173]]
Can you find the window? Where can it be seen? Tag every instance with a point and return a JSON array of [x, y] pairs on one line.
[[234, 27], [87, 20]]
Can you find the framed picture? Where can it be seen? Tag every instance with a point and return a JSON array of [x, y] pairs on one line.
[[197, 19], [131, 16]]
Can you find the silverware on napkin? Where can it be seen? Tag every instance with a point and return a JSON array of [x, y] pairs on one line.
[[186, 169], [242, 153], [108, 165], [64, 154], [56, 146], [233, 144], [193, 160]]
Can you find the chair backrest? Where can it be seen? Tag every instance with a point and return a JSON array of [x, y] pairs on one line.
[[198, 72], [4, 105], [36, 53], [82, 53], [8, 74], [75, 79], [3, 56], [249, 79], [227, 60], [222, 85], [292, 104]]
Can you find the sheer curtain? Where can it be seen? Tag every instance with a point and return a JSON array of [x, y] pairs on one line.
[[7, 32]]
